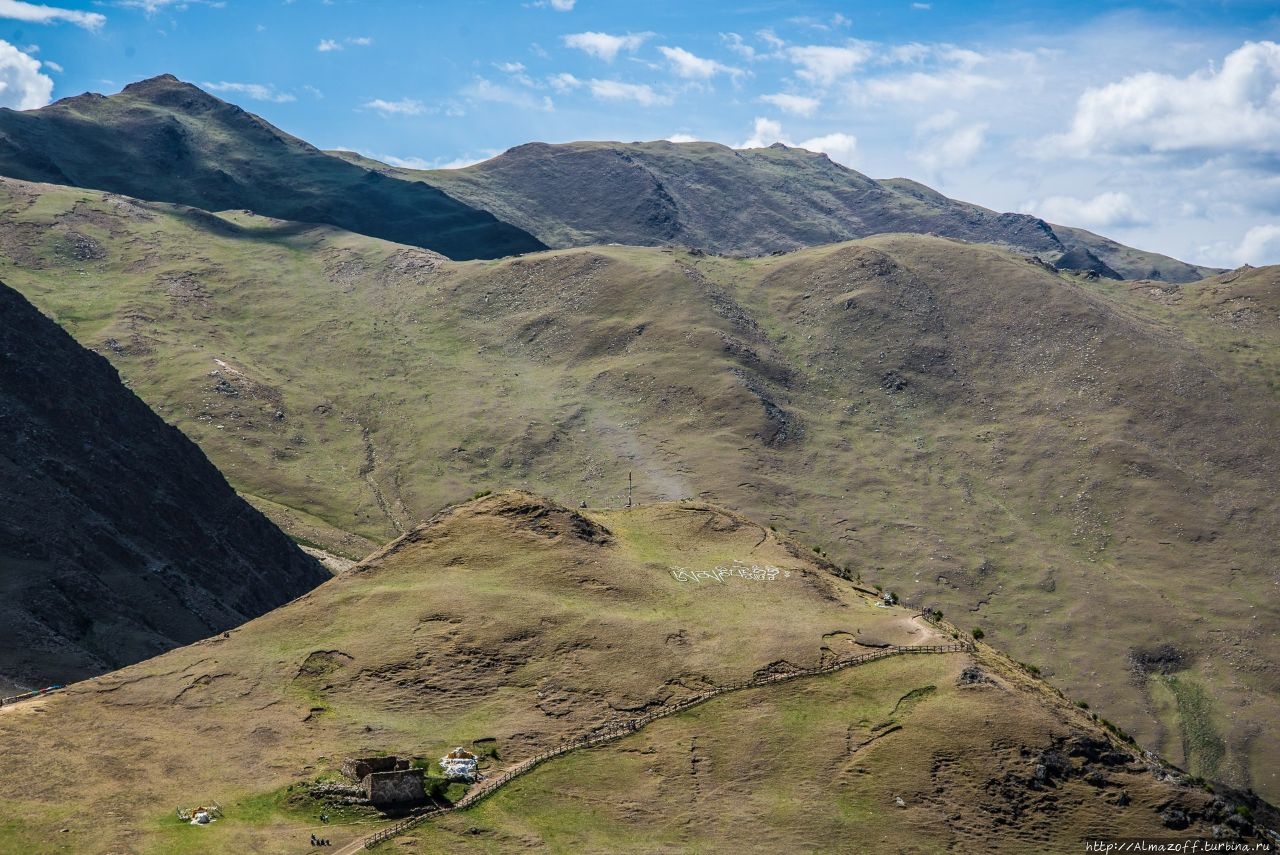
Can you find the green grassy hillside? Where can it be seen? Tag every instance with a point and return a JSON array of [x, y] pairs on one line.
[[513, 624], [1085, 470]]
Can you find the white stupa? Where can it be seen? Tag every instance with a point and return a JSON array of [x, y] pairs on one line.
[[459, 765]]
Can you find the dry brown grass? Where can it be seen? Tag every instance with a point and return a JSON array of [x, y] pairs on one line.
[[1080, 470], [513, 619], [506, 618]]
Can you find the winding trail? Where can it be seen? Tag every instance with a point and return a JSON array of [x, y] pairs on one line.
[[618, 730]]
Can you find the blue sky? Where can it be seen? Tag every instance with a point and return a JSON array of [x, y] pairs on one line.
[[1156, 123]]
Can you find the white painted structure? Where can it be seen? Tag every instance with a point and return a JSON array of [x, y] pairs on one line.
[[459, 765]]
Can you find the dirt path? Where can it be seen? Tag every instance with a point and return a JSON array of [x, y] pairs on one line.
[[335, 564]]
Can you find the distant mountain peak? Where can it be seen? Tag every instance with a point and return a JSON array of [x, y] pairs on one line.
[[159, 79], [165, 90], [167, 140]]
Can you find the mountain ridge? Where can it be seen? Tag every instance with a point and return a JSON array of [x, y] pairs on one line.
[[167, 140], [740, 202]]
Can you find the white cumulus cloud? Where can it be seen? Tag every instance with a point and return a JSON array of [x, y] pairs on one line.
[[151, 7], [403, 107], [255, 91], [37, 14], [1233, 109], [764, 132], [605, 46], [1260, 245], [797, 105], [564, 82], [941, 143], [641, 93], [327, 45], [920, 86], [686, 64], [1110, 209], [482, 89], [22, 86], [842, 148], [825, 64]]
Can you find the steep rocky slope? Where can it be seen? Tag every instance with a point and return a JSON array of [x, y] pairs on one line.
[[168, 140], [513, 623], [118, 538]]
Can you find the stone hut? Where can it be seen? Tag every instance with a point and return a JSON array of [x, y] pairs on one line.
[[398, 787], [387, 780]]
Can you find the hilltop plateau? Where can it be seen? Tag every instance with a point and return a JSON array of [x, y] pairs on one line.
[[118, 538], [1084, 468], [418, 649]]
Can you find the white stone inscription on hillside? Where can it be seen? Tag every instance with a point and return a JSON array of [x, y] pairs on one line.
[[739, 570]]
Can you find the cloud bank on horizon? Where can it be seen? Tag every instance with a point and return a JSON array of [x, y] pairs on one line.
[[1156, 124]]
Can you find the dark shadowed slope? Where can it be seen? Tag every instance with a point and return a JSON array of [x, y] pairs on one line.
[[166, 140], [740, 202], [118, 538]]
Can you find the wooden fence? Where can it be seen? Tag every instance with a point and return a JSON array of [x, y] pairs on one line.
[[617, 730]]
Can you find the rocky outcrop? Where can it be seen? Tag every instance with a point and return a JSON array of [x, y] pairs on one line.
[[1080, 260], [118, 538]]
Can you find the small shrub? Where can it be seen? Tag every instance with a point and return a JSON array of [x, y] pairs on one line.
[[481, 494], [1084, 705], [978, 634]]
